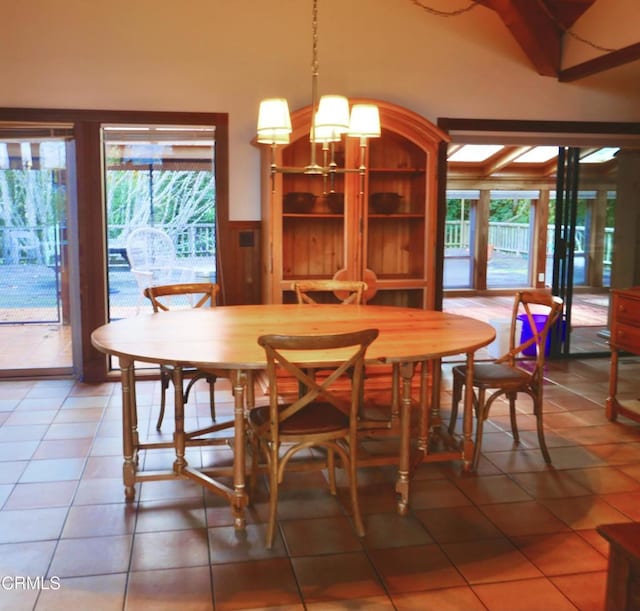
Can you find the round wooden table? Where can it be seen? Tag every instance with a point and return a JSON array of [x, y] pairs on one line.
[[225, 337]]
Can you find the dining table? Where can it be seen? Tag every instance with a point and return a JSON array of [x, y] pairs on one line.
[[225, 337]]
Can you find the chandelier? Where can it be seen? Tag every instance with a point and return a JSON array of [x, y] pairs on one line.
[[331, 120]]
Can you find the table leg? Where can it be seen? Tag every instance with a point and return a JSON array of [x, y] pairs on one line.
[[423, 423], [402, 483], [178, 435], [239, 499], [129, 427], [613, 386], [467, 422]]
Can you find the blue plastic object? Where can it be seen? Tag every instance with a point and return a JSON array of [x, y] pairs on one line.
[[539, 320]]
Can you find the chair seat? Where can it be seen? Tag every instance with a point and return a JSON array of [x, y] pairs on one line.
[[314, 418], [494, 375]]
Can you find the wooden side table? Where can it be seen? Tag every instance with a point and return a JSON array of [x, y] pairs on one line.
[[623, 574], [625, 337]]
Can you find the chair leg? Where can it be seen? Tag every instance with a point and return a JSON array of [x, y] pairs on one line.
[[273, 497], [537, 407], [212, 396], [482, 412], [331, 471], [456, 395], [164, 386], [512, 415], [355, 503]]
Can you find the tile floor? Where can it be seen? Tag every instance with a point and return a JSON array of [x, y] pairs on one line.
[[518, 535]]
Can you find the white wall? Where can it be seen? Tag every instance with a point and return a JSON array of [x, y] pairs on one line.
[[225, 55]]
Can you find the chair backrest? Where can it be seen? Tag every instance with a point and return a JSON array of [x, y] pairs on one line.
[[199, 294], [294, 355], [344, 291], [538, 311], [149, 248]]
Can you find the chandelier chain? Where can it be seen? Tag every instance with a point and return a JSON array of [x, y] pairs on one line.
[[541, 3], [314, 30]]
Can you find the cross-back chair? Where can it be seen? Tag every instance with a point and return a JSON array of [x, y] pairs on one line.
[[323, 291], [323, 415], [193, 294], [508, 375]]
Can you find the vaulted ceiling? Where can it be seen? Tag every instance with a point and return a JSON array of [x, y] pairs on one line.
[[539, 27]]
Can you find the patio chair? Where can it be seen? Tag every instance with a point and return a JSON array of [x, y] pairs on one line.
[[152, 257], [323, 416], [199, 294], [506, 376]]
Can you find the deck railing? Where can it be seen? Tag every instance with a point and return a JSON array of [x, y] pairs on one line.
[[515, 238], [40, 244]]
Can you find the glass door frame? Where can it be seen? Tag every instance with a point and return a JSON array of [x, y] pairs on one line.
[[87, 238]]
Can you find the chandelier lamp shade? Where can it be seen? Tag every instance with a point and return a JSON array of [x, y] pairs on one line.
[[333, 119]]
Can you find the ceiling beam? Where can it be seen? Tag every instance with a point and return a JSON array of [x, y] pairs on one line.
[[601, 63], [534, 29]]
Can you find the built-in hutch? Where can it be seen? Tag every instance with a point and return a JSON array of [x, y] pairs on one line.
[[383, 229]]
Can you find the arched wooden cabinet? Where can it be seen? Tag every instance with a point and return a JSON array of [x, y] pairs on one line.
[[387, 240]]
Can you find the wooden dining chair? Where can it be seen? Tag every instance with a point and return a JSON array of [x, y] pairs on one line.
[[327, 291], [171, 296], [324, 415], [511, 374]]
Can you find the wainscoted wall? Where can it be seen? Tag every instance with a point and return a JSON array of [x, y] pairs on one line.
[[241, 266]]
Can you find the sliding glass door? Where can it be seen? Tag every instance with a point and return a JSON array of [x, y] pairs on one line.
[[34, 257], [160, 194]]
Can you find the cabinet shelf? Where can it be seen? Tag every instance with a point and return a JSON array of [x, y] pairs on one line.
[[396, 216]]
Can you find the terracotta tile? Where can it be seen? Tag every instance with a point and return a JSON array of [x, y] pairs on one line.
[[17, 450], [422, 567], [179, 515], [455, 524], [372, 603], [18, 525], [31, 417], [586, 591], [44, 494], [541, 594], [561, 554], [23, 432], [492, 489], [170, 549], [187, 589], [259, 584], [488, 560], [550, 484], [98, 491], [445, 599], [604, 480], [336, 576], [226, 544], [526, 518], [64, 448], [53, 469], [11, 471], [393, 530], [436, 493], [99, 520], [71, 430], [98, 593], [27, 558], [330, 535], [584, 512], [91, 556]]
